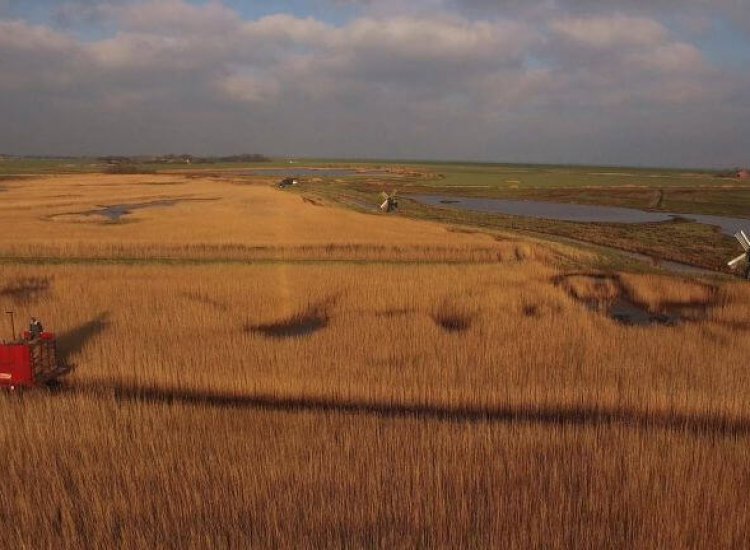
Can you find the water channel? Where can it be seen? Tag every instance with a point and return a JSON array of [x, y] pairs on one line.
[[576, 212]]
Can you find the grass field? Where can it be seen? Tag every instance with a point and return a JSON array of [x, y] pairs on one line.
[[254, 367], [670, 191]]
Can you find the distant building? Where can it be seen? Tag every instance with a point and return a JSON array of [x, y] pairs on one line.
[[743, 174]]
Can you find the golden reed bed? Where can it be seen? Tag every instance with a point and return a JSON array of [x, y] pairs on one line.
[[356, 402]]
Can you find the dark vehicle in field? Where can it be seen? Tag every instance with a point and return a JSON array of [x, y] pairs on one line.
[[287, 182]]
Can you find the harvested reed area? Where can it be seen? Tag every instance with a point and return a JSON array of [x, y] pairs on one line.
[[359, 403]]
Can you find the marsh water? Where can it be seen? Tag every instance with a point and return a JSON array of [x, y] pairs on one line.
[[628, 313], [576, 212], [116, 211]]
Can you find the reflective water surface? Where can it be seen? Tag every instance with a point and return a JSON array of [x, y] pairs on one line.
[[576, 212]]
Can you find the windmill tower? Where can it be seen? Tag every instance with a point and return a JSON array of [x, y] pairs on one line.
[[390, 202], [744, 257]]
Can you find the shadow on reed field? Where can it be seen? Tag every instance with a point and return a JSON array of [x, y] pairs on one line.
[[73, 341], [26, 290], [555, 415]]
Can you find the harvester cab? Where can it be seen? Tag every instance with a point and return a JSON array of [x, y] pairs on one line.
[[30, 360]]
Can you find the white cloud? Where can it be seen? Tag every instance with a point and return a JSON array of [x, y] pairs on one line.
[[250, 89], [675, 57], [611, 31], [440, 38], [182, 76], [172, 16], [289, 30], [34, 57]]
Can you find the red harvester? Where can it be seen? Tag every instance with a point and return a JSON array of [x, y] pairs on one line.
[[30, 361]]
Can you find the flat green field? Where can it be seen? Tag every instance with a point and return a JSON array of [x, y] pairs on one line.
[[673, 191], [653, 189], [533, 177]]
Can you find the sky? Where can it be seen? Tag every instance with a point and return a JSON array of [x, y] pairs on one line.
[[609, 82]]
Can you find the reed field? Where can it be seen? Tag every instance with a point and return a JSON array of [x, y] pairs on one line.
[[211, 218], [255, 368]]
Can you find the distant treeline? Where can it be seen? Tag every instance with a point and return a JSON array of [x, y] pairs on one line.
[[183, 159], [37, 157]]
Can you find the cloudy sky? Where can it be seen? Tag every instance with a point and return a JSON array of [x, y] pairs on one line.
[[638, 82]]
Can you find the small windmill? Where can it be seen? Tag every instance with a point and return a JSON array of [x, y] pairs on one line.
[[744, 257], [390, 202]]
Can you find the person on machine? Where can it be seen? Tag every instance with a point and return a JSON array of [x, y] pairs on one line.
[[35, 328]]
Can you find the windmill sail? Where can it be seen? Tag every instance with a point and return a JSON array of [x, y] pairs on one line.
[[737, 260], [744, 241]]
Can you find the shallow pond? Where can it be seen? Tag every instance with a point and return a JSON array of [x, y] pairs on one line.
[[576, 212], [628, 313], [116, 211]]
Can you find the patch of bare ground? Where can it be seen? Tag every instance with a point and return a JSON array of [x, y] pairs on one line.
[[306, 322], [205, 299], [451, 316], [531, 310], [312, 201]]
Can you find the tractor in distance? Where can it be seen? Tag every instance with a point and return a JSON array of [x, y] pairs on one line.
[[31, 360]]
